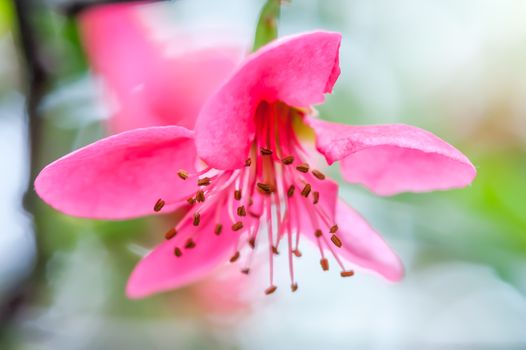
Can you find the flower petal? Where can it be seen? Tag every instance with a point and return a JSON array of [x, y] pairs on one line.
[[161, 270], [121, 176], [388, 159], [363, 246], [147, 86], [297, 70]]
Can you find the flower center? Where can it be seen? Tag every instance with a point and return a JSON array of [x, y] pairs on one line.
[[276, 192]]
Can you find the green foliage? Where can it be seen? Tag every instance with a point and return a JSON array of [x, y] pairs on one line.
[[267, 27]]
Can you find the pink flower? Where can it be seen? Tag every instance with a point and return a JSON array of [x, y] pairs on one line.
[[146, 84], [258, 186]]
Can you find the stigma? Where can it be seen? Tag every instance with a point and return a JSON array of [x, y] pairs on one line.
[[272, 201]]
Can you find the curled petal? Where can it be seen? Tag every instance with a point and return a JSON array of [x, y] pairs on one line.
[[149, 87], [122, 176], [388, 159], [162, 270], [363, 246], [297, 70]]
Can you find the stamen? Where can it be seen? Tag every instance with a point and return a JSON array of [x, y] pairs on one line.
[[241, 211], [291, 190], [189, 244], [246, 271], [200, 196], [333, 229], [318, 233], [318, 174], [248, 162], [170, 233], [205, 181], [265, 188], [297, 253], [288, 160], [294, 287], [237, 226], [234, 257], [336, 240], [347, 273], [270, 290], [218, 229], [158, 205], [275, 250], [324, 264], [316, 197], [252, 242], [177, 252], [237, 195], [304, 168], [265, 151], [191, 200], [306, 190], [197, 219], [183, 174]]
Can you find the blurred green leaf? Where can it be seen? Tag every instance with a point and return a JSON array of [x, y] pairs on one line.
[[267, 27]]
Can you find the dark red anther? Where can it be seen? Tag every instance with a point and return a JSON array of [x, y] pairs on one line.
[[177, 252], [347, 273], [183, 174], [241, 211], [218, 229], [304, 168], [237, 195], [248, 162], [288, 160], [336, 240], [237, 226], [270, 290], [158, 205], [291, 190], [189, 244], [265, 188], [315, 197], [200, 196], [205, 181], [318, 233], [324, 264], [197, 219], [333, 229], [306, 190], [318, 174], [265, 151], [234, 257], [170, 233], [294, 287]]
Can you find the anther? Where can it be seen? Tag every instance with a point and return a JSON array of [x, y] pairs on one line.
[[275, 250], [183, 174], [265, 188], [234, 257], [189, 244], [197, 219], [294, 287], [158, 205], [290, 191], [270, 290], [318, 174], [318, 233], [200, 196], [252, 242], [265, 151], [316, 197], [177, 252], [191, 200], [297, 253], [288, 160], [237, 195], [218, 229], [205, 181], [324, 264], [306, 190], [347, 273], [237, 226], [336, 240], [170, 233], [241, 211], [248, 162], [304, 168], [246, 271], [333, 229]]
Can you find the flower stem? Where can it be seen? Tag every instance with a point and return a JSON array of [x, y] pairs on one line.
[[267, 27]]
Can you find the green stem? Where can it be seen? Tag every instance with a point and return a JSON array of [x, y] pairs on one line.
[[267, 27]]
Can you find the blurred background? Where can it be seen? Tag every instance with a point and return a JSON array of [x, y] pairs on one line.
[[454, 67]]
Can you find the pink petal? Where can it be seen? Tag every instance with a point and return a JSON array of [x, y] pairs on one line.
[[147, 87], [161, 270], [121, 176], [388, 159], [297, 70], [363, 246]]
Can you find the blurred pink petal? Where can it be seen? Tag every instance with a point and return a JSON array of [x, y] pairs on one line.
[[147, 86], [363, 246], [162, 270], [296, 70], [389, 159], [121, 176]]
